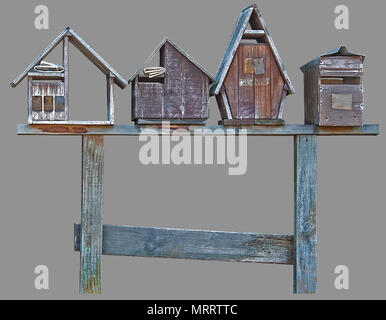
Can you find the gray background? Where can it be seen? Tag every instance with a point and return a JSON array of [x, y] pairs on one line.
[[40, 176]]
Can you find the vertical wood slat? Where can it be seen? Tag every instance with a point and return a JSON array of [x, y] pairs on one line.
[[66, 80], [305, 238], [91, 214], [110, 98], [29, 88]]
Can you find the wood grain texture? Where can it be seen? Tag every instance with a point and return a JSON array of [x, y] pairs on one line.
[[328, 116], [311, 95], [345, 66], [194, 244], [182, 94], [253, 34], [110, 98], [132, 130], [305, 236], [91, 214], [66, 58]]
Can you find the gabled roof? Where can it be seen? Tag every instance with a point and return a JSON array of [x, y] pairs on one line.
[[83, 47], [339, 51], [180, 50], [253, 16]]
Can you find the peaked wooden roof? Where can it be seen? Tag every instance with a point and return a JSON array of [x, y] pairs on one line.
[[341, 50], [253, 16], [180, 50], [83, 47]]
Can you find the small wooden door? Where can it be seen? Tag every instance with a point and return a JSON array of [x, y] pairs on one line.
[[254, 81], [254, 84]]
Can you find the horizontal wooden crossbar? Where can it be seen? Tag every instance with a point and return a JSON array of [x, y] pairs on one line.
[[133, 130], [194, 244]]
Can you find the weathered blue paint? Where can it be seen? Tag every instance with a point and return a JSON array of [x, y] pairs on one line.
[[91, 214], [259, 130], [305, 237], [194, 244]]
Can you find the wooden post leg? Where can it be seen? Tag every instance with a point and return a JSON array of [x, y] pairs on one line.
[[305, 277], [91, 214]]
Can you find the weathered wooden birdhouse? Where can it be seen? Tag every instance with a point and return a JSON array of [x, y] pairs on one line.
[[333, 89], [48, 83], [251, 83], [176, 91]]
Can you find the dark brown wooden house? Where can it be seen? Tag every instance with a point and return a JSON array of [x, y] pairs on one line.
[[48, 84], [251, 83], [177, 90], [333, 89]]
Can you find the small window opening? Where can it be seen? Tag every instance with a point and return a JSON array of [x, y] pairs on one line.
[[341, 80]]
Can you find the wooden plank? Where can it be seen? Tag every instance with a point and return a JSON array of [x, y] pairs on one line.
[[231, 87], [253, 34], [305, 276], [311, 95], [132, 130], [110, 98], [91, 214], [282, 104], [29, 93], [194, 244], [171, 121], [246, 103], [263, 83], [66, 75]]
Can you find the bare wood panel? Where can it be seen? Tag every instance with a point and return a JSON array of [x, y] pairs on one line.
[[231, 86], [333, 117], [132, 130], [277, 88], [66, 75], [341, 65], [305, 276], [263, 83], [172, 60], [246, 108], [253, 34], [311, 95], [110, 98], [194, 244], [91, 214], [149, 100]]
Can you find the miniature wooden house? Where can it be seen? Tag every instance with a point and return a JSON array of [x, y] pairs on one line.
[[48, 84], [251, 83], [176, 91], [333, 89]]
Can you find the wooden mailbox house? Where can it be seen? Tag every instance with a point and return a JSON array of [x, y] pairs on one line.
[[48, 89], [333, 89], [176, 91], [251, 83]]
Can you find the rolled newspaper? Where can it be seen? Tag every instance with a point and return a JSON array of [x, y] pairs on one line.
[[45, 66], [154, 71]]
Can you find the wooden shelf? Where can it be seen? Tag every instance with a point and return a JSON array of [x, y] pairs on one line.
[[133, 130]]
